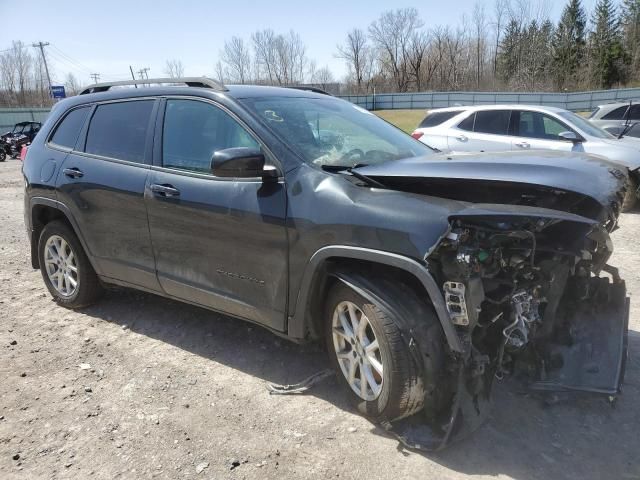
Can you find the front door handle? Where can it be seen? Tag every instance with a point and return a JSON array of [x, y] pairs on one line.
[[522, 145], [73, 172], [462, 138], [165, 190]]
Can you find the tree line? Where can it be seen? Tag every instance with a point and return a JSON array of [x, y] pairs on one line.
[[508, 45]]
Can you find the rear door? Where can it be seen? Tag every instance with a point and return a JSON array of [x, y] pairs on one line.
[[539, 131], [482, 131], [218, 242], [102, 183]]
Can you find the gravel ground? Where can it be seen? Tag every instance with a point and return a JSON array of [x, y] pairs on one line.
[[142, 387]]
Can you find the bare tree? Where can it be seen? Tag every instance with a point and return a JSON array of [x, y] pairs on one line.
[[264, 54], [237, 59], [500, 10], [72, 86], [392, 34], [323, 77], [356, 53], [480, 34], [174, 68], [416, 56]]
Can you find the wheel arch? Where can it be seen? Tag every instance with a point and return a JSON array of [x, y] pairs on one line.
[[331, 264], [43, 211]]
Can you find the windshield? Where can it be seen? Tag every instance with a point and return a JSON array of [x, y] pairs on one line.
[[584, 125], [18, 128], [331, 132]]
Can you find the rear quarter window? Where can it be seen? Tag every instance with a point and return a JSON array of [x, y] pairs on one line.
[[434, 119], [119, 130], [67, 131]]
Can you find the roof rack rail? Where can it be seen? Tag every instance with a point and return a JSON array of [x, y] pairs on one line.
[[309, 89], [202, 82]]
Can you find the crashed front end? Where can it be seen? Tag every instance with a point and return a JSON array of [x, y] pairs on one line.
[[530, 295]]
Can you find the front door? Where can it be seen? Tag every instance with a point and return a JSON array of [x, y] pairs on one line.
[[218, 242], [538, 131]]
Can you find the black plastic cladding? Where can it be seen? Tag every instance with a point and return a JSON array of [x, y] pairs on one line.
[[240, 246]]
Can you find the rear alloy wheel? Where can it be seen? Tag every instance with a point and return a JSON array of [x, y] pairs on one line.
[[65, 268]]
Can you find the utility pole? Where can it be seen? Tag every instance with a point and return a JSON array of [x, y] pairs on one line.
[[95, 76], [132, 75], [143, 73], [41, 46]]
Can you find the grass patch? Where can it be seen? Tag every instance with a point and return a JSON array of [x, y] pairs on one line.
[[406, 120]]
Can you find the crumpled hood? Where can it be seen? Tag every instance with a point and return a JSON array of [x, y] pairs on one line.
[[508, 177]]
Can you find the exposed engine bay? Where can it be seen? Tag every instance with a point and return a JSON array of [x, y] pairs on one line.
[[529, 297]]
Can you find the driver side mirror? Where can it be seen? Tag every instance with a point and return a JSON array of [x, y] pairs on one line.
[[241, 162], [569, 137]]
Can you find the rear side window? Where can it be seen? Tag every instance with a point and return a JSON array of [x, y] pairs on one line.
[[119, 130], [635, 112], [467, 123], [492, 121], [67, 131], [616, 114], [437, 118]]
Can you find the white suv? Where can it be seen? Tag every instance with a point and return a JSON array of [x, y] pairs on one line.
[[493, 128], [618, 118]]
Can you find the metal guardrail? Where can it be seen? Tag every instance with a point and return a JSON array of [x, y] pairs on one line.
[[10, 116], [574, 101]]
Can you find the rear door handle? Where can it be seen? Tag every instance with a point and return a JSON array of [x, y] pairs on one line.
[[73, 172], [165, 190], [522, 145]]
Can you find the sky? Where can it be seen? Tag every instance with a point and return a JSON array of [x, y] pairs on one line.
[[106, 37]]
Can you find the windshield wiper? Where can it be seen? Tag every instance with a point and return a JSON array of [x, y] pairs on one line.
[[350, 169]]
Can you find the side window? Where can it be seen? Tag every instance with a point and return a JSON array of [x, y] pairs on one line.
[[552, 128], [467, 123], [492, 121], [437, 118], [635, 112], [67, 131], [194, 130], [539, 125], [119, 130], [616, 114]]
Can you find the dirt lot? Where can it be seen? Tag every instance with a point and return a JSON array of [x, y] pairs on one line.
[[142, 387]]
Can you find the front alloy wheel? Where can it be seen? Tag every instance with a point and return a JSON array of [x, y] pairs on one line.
[[357, 350]]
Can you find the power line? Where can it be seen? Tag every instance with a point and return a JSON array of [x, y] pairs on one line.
[[95, 76]]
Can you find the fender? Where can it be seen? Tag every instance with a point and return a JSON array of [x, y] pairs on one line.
[[49, 202], [296, 323]]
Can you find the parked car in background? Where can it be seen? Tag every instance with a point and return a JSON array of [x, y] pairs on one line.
[[617, 118], [495, 128], [22, 133], [425, 276]]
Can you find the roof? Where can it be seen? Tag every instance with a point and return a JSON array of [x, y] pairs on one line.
[[474, 108]]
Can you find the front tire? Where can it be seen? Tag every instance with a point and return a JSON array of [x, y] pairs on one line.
[[65, 268], [372, 360]]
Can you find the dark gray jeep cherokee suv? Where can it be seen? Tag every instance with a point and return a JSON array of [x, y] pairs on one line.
[[426, 275]]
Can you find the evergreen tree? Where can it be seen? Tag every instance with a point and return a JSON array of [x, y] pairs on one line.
[[569, 45], [605, 49], [631, 35]]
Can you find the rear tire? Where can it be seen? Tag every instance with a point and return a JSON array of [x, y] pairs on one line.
[[65, 268], [400, 386], [631, 196], [3, 156]]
